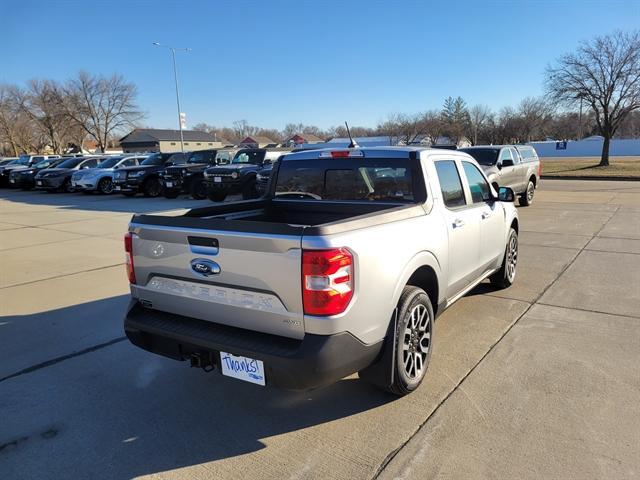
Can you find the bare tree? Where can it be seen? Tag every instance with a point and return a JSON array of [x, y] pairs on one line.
[[402, 128], [534, 118], [103, 106], [604, 73], [478, 116], [242, 129], [42, 103]]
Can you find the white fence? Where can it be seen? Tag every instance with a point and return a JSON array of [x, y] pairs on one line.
[[589, 147]]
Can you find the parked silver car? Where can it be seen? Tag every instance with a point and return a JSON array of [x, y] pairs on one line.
[[100, 179], [341, 268], [515, 166]]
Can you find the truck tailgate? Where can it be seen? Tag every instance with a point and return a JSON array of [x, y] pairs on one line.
[[246, 280]]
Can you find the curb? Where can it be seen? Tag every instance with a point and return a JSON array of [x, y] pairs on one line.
[[596, 177]]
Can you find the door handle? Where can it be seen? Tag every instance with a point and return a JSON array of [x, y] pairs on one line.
[[486, 215], [458, 222]]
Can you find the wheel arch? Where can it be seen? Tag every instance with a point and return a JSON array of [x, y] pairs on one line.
[[423, 271]]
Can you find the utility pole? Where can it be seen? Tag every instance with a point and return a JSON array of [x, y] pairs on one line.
[[175, 77]]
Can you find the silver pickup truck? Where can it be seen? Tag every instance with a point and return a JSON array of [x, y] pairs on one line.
[[514, 166], [342, 267]]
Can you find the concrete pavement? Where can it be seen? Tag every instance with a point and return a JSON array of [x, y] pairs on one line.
[[536, 381]]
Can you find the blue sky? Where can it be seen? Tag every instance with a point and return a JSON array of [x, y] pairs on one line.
[[316, 62]]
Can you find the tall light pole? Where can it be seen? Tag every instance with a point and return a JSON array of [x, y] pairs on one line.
[[175, 76]]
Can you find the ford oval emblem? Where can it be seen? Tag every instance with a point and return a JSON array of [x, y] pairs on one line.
[[205, 267]]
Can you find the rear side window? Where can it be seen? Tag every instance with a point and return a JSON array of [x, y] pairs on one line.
[[381, 180], [505, 154], [450, 184], [478, 186], [527, 154]]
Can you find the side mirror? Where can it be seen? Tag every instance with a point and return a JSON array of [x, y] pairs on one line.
[[506, 194], [499, 165], [507, 163]]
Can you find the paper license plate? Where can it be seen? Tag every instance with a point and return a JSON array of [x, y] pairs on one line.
[[169, 184], [242, 368], [39, 182], [12, 180], [117, 188], [217, 179]]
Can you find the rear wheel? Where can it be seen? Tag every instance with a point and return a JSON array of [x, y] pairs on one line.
[[526, 198], [152, 188], [198, 190], [504, 277], [413, 340], [105, 186]]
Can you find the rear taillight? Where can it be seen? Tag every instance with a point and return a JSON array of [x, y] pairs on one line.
[[539, 169], [327, 281], [128, 248]]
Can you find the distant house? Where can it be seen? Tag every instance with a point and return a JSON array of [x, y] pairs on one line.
[[302, 138], [167, 141], [258, 141]]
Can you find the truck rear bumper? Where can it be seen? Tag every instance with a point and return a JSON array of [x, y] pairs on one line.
[[314, 361]]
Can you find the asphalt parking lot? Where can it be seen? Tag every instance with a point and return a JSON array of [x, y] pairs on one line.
[[537, 381]]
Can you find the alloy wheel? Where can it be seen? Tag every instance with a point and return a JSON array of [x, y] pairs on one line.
[[417, 341], [512, 257]]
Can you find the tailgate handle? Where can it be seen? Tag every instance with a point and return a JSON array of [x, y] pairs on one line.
[[203, 245]]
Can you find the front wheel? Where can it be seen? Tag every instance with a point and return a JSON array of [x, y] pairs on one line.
[[249, 191], [66, 187], [171, 193], [413, 340], [198, 190], [526, 198], [105, 186], [504, 277], [216, 196], [152, 188]]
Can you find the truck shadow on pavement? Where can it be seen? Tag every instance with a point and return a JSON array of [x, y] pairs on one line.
[[119, 412]]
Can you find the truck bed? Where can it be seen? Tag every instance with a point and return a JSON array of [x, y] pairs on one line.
[[286, 217]]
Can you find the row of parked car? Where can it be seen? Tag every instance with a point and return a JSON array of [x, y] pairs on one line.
[[213, 174], [217, 173]]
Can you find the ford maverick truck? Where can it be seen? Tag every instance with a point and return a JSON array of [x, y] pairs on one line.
[[341, 267]]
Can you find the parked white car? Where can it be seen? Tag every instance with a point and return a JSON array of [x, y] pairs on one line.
[[100, 179]]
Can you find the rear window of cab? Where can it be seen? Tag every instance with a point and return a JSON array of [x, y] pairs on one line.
[[392, 180]]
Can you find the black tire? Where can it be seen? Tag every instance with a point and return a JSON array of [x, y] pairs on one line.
[[198, 189], [414, 340], [105, 186], [216, 196], [129, 194], [66, 187], [152, 188], [171, 193], [526, 198], [505, 277], [249, 190]]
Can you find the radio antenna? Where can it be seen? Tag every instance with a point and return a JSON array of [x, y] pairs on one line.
[[353, 143]]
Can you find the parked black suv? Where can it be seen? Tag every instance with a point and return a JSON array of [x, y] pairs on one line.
[[240, 175], [145, 178], [189, 177], [25, 178]]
